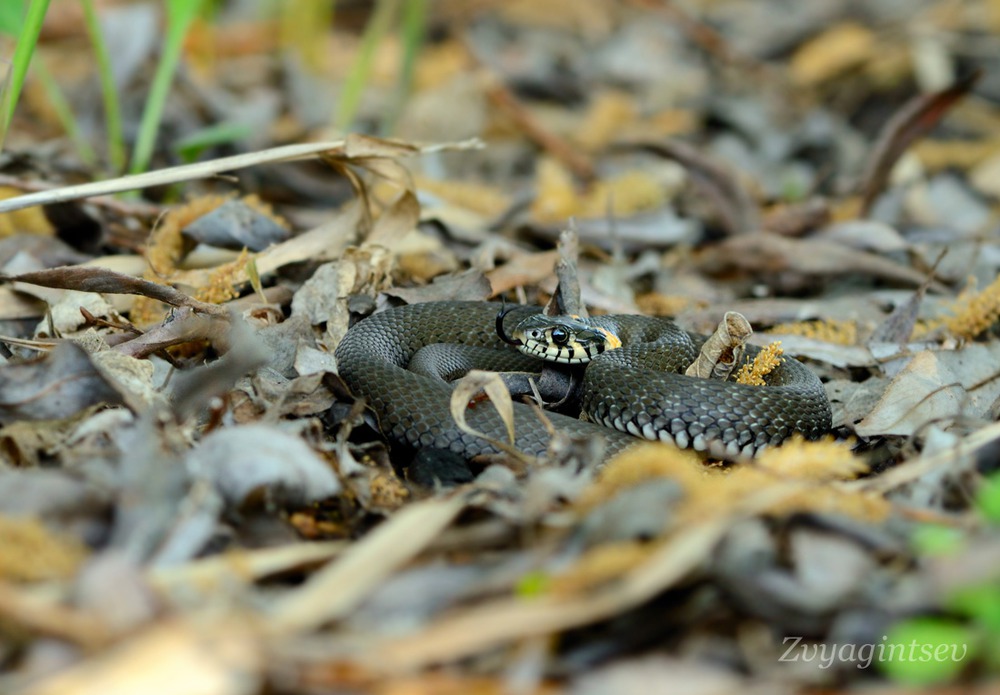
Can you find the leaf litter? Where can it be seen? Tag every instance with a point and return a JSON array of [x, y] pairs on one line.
[[192, 501]]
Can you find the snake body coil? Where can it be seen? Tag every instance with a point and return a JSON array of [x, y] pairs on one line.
[[636, 389]]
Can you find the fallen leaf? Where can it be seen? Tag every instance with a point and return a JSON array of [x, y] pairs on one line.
[[54, 386], [338, 588], [833, 52], [936, 386], [241, 460]]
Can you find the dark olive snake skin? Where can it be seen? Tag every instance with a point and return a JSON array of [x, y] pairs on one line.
[[635, 389]]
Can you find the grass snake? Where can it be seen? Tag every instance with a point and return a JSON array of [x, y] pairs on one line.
[[636, 389]]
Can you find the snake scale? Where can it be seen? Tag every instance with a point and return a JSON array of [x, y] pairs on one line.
[[634, 391]]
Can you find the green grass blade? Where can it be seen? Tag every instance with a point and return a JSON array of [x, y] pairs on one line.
[[64, 112], [12, 16], [414, 28], [189, 147], [350, 97], [26, 41], [109, 93], [304, 26], [180, 14]]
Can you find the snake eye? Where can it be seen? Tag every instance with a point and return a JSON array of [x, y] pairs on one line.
[[560, 336]]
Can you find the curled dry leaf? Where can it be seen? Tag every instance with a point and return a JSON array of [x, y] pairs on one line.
[[471, 284], [898, 326], [325, 297], [723, 349], [467, 391]]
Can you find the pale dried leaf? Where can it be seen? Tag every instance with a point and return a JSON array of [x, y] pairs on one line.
[[938, 386], [241, 460], [500, 621], [175, 657], [221, 571], [56, 385], [338, 588]]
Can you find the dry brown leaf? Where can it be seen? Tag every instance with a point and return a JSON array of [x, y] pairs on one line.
[[833, 52], [608, 113], [522, 269]]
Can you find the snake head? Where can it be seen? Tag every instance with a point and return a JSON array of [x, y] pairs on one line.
[[563, 339]]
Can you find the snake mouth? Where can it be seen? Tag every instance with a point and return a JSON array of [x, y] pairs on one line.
[[559, 355]]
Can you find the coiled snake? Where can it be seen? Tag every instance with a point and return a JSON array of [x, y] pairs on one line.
[[636, 389]]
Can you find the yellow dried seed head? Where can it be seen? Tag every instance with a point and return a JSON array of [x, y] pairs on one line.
[[222, 282], [974, 312], [764, 363], [825, 459], [30, 552], [837, 332]]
